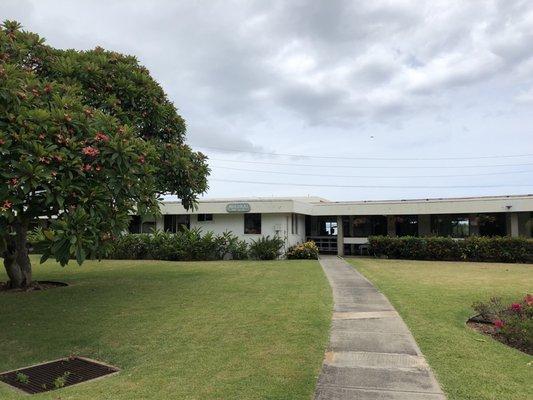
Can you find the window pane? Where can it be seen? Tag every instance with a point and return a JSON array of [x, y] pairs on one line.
[[368, 225], [173, 223], [454, 225], [252, 224], [492, 224], [135, 224], [407, 225], [205, 217]]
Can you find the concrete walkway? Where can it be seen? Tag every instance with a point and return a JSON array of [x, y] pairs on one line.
[[371, 355]]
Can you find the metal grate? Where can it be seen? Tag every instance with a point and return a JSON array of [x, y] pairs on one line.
[[56, 374]]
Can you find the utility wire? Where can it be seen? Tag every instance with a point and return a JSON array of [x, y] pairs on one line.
[[371, 176], [371, 167], [366, 158], [369, 186]]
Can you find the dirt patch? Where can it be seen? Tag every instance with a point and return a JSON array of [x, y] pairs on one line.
[[35, 286], [487, 328]]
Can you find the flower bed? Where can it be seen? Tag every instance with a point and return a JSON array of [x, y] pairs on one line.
[[510, 324]]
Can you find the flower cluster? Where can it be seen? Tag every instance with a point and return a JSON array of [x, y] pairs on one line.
[[101, 137], [90, 151], [513, 323], [303, 251]]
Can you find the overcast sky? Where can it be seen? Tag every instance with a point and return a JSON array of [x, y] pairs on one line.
[[361, 81]]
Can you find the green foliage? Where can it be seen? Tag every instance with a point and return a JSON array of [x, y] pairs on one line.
[[88, 137], [474, 248], [22, 378], [266, 248], [303, 251], [61, 380], [186, 245]]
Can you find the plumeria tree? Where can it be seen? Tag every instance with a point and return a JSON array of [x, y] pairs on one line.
[[86, 138]]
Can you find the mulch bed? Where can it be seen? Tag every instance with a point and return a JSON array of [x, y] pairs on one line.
[[487, 328], [37, 285]]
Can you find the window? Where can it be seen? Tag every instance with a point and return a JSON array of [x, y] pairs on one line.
[[407, 225], [148, 227], [205, 217], [364, 226], [493, 224], [454, 225], [252, 224], [135, 224], [174, 223], [294, 224]]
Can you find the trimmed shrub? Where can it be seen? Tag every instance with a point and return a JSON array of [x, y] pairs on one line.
[[132, 247], [186, 245], [303, 251], [474, 248], [266, 248]]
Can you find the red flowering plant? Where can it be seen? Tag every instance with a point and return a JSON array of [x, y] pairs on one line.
[[84, 146], [513, 323]]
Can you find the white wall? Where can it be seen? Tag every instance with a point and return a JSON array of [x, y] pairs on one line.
[[270, 225]]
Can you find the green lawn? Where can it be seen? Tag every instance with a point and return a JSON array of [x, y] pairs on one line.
[[434, 299], [195, 330]]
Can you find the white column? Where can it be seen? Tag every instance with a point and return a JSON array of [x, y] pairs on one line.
[[159, 225], [340, 237], [513, 222]]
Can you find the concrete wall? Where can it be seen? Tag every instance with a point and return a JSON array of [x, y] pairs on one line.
[[271, 224]]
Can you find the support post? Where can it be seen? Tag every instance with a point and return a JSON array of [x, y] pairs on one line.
[[340, 237], [512, 224]]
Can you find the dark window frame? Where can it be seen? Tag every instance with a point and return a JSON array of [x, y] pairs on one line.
[[173, 223], [451, 225], [294, 224], [205, 217], [252, 224]]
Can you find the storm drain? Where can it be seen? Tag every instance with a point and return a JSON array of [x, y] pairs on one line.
[[56, 374]]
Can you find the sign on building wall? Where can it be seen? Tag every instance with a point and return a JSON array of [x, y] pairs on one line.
[[238, 208]]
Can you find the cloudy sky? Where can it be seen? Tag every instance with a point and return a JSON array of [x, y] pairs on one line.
[[341, 99]]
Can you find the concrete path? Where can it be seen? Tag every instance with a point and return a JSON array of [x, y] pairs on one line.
[[371, 355]]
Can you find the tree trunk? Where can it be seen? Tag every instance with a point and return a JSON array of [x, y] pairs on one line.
[[16, 258]]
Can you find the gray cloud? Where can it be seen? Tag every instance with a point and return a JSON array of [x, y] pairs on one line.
[[375, 77]]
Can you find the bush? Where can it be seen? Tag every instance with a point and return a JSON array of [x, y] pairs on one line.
[[266, 248], [303, 251], [513, 323], [186, 245], [474, 248], [132, 247]]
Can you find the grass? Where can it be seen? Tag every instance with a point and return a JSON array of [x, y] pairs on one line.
[[434, 299], [195, 330]]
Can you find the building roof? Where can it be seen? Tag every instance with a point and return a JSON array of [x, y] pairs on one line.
[[318, 206]]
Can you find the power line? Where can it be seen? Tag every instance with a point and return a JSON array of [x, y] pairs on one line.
[[366, 158], [371, 167], [372, 176], [370, 186]]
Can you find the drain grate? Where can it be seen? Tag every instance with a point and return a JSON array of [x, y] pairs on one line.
[[56, 374]]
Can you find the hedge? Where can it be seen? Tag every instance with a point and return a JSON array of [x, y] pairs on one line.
[[474, 248], [186, 245], [193, 245]]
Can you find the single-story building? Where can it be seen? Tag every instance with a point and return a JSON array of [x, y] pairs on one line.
[[343, 227]]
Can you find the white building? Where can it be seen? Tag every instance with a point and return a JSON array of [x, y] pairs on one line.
[[343, 227]]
